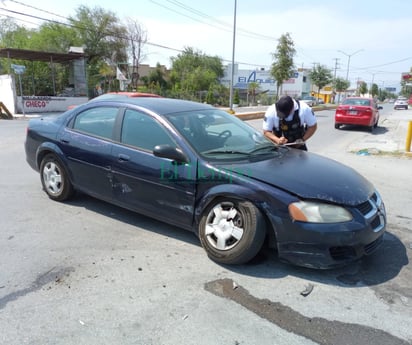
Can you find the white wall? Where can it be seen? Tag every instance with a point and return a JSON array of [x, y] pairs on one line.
[[7, 92], [294, 87], [44, 104], [33, 104]]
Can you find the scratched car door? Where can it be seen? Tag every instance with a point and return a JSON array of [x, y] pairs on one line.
[[87, 143], [151, 185]]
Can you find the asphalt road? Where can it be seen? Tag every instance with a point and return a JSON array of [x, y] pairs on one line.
[[86, 272]]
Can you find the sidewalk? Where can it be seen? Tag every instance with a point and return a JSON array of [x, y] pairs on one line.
[[390, 136]]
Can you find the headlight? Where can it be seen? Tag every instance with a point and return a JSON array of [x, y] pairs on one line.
[[316, 212]]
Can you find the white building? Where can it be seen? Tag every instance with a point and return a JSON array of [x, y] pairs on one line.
[[298, 85]]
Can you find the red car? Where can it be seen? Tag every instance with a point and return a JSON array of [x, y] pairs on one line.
[[358, 111]]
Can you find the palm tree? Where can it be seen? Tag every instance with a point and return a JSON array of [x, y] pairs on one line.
[[252, 88]]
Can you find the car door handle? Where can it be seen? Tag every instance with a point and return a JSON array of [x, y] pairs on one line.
[[123, 158]]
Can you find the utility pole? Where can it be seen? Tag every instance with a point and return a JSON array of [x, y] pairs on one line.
[[334, 78], [336, 67]]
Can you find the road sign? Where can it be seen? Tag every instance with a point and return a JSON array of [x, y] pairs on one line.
[[18, 69]]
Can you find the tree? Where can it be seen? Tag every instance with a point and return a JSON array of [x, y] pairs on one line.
[[363, 88], [283, 65], [236, 99], [320, 76], [157, 76], [49, 37], [210, 97], [13, 35], [374, 90], [341, 85], [137, 38], [53, 37], [102, 36], [193, 72], [252, 88]]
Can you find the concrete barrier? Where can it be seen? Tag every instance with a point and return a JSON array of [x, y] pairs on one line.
[[251, 115]]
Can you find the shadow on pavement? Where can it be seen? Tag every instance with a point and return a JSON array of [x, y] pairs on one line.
[[380, 267]]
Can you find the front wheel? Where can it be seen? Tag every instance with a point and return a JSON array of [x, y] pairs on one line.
[[232, 231], [54, 179]]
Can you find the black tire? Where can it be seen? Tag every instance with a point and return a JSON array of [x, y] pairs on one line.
[[241, 228], [337, 126], [54, 179]]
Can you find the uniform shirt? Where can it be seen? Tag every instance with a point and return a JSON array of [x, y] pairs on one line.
[[306, 115]]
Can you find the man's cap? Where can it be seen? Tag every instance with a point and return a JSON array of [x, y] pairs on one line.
[[284, 106]]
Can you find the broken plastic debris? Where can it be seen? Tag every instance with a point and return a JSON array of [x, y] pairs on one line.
[[308, 290], [364, 152]]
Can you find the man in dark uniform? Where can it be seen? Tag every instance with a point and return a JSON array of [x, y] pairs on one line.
[[289, 121]]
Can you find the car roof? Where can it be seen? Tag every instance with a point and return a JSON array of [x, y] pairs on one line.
[[125, 94], [158, 105]]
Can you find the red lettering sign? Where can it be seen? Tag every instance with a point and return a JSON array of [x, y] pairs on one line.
[[35, 104]]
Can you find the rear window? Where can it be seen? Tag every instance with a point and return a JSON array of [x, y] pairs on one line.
[[357, 101]]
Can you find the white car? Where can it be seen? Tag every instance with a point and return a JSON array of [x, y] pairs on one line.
[[401, 103]]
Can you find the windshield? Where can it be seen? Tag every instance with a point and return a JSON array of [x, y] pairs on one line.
[[215, 134]]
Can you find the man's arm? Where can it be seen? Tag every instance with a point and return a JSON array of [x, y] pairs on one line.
[[270, 135], [309, 132]]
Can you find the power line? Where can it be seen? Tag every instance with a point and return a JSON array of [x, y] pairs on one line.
[[38, 9], [77, 26], [223, 25]]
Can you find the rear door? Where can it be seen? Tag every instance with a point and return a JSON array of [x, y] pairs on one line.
[[87, 144]]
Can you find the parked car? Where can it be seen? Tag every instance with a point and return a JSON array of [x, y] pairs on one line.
[[199, 168], [309, 100], [358, 111], [401, 103]]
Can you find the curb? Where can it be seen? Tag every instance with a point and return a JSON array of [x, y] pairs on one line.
[[260, 114]]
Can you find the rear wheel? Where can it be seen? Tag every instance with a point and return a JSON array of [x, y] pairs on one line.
[[337, 126], [54, 179], [232, 231]]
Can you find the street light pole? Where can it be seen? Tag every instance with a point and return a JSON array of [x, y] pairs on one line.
[[349, 56], [233, 60], [347, 69]]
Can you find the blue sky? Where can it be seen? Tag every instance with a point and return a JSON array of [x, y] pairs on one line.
[[376, 34]]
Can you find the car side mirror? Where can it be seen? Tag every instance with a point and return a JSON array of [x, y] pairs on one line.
[[170, 152]]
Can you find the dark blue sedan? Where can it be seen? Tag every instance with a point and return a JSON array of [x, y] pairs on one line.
[[198, 167]]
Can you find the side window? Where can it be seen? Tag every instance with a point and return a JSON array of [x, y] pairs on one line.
[[97, 121], [142, 131]]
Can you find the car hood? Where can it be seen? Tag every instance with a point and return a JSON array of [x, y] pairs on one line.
[[309, 176]]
